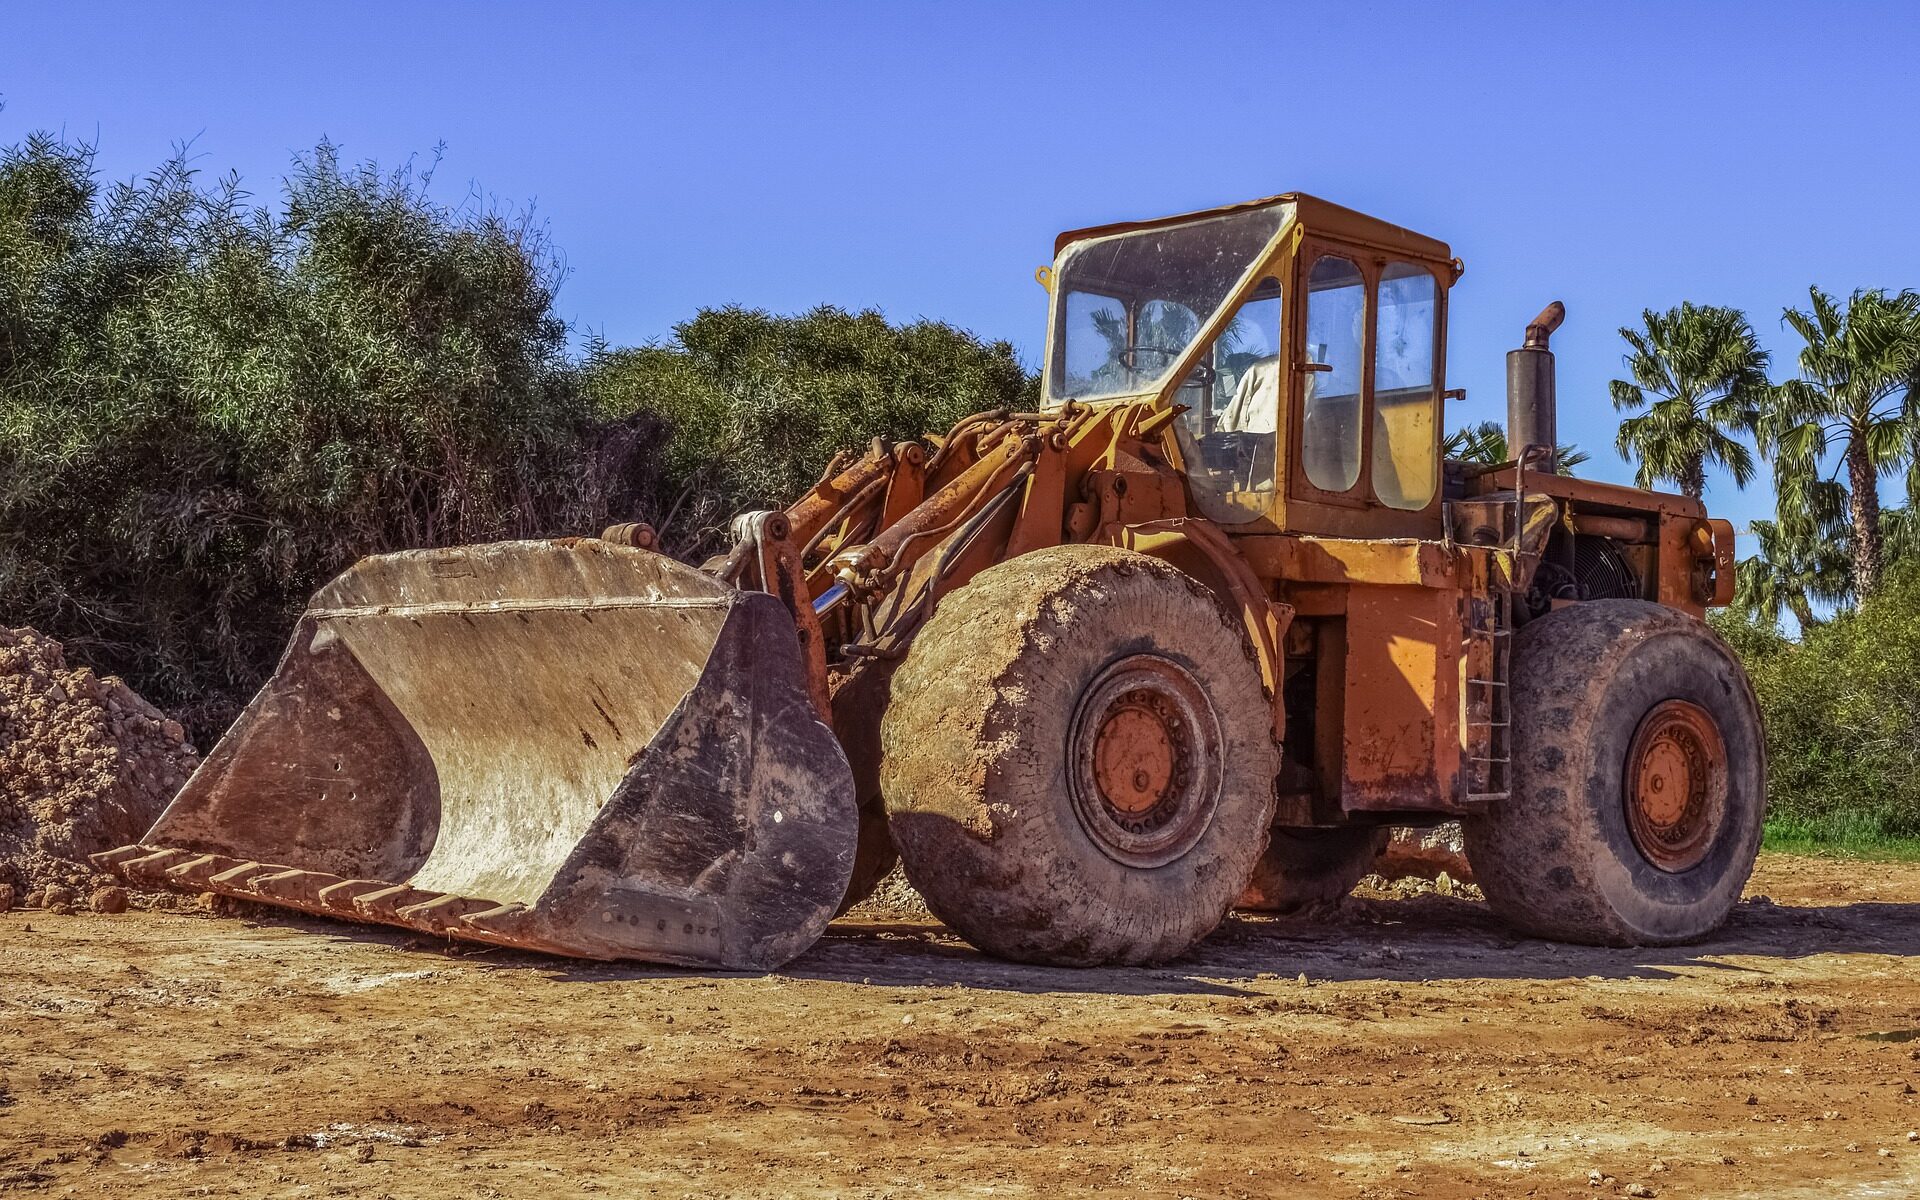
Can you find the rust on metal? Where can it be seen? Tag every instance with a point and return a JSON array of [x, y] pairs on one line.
[[1541, 328], [1675, 785], [1145, 771]]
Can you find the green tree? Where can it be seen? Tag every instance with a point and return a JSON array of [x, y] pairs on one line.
[[1486, 442], [1699, 378], [1842, 717], [1798, 565], [1855, 395], [753, 406], [208, 407]]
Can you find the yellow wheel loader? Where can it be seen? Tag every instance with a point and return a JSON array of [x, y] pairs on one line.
[[1190, 635]]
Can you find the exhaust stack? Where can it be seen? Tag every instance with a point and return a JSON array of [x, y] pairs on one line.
[[1530, 399]]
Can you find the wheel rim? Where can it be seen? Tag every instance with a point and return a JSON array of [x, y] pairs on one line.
[[1675, 785], [1144, 768]]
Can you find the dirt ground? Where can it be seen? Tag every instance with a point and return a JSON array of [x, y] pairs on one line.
[[1398, 1048]]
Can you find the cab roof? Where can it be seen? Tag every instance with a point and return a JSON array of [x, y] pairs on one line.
[[1318, 215]]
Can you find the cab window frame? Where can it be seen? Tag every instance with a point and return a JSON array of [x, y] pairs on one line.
[[1371, 263]]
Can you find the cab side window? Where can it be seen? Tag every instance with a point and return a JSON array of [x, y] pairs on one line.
[[1330, 416], [1405, 401]]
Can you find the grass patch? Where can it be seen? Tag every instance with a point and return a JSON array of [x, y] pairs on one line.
[[1857, 835]]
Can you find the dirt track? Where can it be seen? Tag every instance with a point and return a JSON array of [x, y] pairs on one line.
[[1406, 1047]]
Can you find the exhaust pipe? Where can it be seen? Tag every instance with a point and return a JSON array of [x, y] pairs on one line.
[[1530, 398]]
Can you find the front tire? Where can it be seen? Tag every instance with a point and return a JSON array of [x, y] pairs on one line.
[[1639, 780], [1078, 759]]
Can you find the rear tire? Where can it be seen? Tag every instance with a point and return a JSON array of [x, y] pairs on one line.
[[1639, 780], [1079, 759], [1302, 868]]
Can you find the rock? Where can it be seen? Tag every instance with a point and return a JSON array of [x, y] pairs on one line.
[[57, 898], [1640, 1190], [1426, 854], [108, 900]]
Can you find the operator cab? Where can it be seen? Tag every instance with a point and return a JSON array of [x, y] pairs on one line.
[[1305, 341]]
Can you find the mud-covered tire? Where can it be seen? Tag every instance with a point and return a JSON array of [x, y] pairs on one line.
[[1303, 868], [859, 698], [1573, 852], [1078, 759]]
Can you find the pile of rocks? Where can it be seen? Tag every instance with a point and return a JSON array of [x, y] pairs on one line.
[[1426, 854], [85, 765]]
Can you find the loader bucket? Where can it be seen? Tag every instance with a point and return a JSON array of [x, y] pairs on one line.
[[570, 746]]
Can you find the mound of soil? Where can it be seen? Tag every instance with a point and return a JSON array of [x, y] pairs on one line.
[[85, 765]]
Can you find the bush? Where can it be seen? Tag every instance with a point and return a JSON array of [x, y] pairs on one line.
[[209, 407], [754, 406], [1843, 719]]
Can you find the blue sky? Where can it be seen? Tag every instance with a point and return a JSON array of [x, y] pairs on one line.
[[919, 158]]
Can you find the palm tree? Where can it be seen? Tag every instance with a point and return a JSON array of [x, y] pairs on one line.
[[1899, 534], [1856, 393], [1701, 377], [1486, 442], [1798, 565]]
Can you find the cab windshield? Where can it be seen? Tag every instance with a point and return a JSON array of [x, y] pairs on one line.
[[1127, 306]]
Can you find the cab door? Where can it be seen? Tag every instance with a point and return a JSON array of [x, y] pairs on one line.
[[1363, 438]]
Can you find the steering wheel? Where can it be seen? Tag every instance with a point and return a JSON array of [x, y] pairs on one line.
[[1202, 375], [1128, 356]]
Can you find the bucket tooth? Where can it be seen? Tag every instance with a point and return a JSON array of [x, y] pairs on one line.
[[150, 865], [292, 885], [442, 912], [339, 897], [384, 904], [484, 918], [112, 860], [237, 876], [197, 869]]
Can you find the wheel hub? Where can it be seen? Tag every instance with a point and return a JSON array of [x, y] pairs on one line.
[[1144, 769], [1675, 785]]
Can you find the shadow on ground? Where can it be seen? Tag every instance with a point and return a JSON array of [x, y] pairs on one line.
[[1429, 937]]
